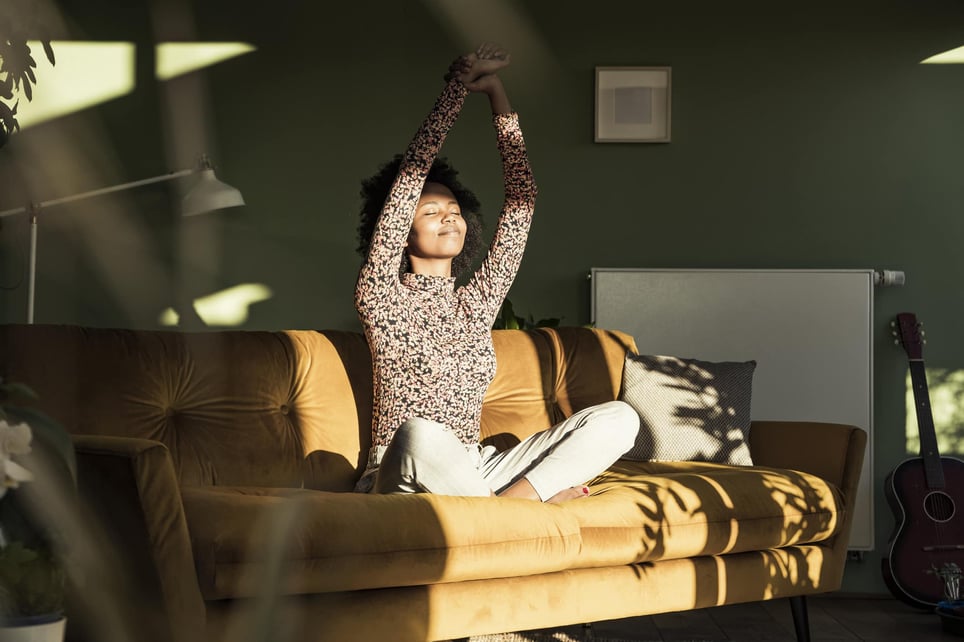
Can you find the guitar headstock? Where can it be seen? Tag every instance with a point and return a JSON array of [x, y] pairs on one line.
[[907, 329]]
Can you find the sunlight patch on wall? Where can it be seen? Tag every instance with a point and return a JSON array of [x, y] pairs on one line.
[[949, 57], [86, 74], [228, 307], [946, 388], [91, 73], [178, 58]]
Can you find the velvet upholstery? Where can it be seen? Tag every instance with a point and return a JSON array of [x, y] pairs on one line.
[[215, 466], [647, 512], [338, 542], [139, 560]]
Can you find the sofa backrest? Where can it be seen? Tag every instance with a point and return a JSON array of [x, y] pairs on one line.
[[544, 375], [292, 408]]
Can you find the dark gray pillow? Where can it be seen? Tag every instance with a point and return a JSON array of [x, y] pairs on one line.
[[689, 410]]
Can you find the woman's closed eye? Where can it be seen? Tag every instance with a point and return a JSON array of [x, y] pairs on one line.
[[436, 212]]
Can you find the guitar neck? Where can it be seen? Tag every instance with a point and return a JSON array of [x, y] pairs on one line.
[[925, 426]]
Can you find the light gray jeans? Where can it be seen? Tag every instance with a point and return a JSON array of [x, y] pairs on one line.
[[426, 456]]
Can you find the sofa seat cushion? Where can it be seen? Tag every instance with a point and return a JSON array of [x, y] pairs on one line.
[[247, 540], [648, 511]]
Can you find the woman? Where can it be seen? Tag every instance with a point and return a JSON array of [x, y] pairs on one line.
[[431, 343]]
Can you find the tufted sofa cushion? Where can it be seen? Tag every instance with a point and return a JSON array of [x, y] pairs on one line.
[[233, 407], [544, 376]]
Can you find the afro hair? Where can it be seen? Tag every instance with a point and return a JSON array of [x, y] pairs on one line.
[[375, 190]]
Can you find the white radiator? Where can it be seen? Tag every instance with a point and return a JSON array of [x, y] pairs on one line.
[[810, 332]]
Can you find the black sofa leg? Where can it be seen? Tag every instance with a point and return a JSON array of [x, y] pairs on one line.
[[801, 620]]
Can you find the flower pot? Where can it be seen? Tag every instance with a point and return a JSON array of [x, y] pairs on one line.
[[952, 616], [33, 629]]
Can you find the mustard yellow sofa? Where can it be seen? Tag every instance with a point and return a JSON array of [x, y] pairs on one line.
[[216, 471]]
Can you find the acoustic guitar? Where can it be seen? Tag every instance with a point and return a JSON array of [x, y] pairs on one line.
[[925, 494]]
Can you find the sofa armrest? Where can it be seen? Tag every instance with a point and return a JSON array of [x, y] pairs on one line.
[[834, 452], [830, 451], [130, 489]]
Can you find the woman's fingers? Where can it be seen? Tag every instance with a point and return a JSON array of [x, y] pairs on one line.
[[490, 51]]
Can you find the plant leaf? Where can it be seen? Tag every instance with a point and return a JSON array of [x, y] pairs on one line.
[[49, 435], [49, 51], [18, 390], [15, 553], [7, 117], [507, 309]]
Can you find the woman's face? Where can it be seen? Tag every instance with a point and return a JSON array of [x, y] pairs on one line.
[[438, 230]]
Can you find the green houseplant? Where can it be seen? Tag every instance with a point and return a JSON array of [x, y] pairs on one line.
[[36, 462], [507, 319]]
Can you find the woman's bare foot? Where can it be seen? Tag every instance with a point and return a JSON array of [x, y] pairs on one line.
[[524, 490], [576, 492]]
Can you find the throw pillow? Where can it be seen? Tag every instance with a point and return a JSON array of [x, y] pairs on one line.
[[689, 410]]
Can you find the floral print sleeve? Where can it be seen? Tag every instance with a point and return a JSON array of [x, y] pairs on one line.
[[379, 274], [492, 280]]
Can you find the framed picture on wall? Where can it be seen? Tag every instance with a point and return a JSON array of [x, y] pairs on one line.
[[633, 104]]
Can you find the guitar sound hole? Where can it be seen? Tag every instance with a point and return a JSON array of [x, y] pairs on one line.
[[939, 506]]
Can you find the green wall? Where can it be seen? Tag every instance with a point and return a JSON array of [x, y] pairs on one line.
[[804, 136]]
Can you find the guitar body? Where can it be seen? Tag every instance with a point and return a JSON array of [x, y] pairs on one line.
[[925, 493], [929, 531]]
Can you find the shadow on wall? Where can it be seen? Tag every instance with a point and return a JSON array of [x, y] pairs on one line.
[[946, 395]]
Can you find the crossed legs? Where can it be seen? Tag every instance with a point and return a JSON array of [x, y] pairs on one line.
[[552, 465]]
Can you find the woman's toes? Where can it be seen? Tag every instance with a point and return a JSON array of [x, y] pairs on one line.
[[576, 492]]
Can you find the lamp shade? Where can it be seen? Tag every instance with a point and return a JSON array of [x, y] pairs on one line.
[[209, 194]]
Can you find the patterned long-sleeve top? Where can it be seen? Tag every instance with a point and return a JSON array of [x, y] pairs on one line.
[[431, 343]]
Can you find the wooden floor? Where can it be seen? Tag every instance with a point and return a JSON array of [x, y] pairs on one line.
[[835, 617]]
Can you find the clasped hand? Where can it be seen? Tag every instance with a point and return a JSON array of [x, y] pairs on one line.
[[477, 70]]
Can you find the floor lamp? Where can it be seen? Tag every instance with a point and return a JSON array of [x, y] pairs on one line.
[[208, 194]]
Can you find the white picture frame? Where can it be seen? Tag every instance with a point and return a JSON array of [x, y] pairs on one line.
[[633, 104]]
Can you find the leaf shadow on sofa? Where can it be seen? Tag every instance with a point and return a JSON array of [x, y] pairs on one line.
[[714, 535]]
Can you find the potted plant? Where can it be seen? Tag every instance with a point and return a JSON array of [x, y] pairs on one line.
[[37, 468]]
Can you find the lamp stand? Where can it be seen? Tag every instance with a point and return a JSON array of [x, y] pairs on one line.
[[215, 195], [32, 266]]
